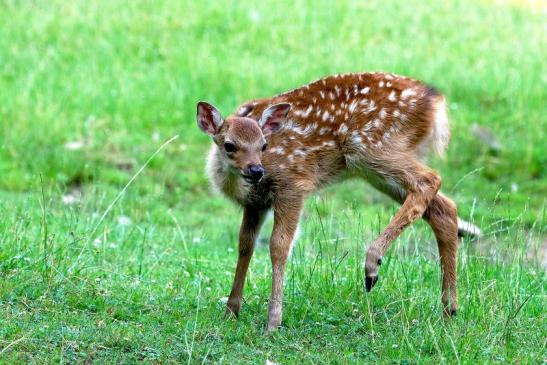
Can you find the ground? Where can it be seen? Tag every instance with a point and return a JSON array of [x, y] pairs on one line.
[[95, 270]]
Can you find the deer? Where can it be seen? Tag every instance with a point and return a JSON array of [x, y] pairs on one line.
[[274, 152]]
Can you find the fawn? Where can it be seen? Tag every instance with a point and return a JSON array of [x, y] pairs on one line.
[[272, 153]]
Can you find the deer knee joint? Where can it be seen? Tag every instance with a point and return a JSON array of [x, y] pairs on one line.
[[436, 182]]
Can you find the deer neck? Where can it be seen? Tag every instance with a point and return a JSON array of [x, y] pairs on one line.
[[224, 178]]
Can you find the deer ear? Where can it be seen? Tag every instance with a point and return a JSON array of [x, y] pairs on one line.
[[246, 109], [273, 118], [208, 118]]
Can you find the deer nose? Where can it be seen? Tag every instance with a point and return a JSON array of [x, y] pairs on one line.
[[256, 172]]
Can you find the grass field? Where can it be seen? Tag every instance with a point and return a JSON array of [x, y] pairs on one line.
[[90, 90]]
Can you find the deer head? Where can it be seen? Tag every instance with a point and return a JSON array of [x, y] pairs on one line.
[[241, 140]]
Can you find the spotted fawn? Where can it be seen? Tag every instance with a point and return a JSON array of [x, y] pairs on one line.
[[273, 152]]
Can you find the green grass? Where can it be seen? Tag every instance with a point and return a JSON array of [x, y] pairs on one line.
[[123, 77]]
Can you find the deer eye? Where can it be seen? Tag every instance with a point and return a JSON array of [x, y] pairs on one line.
[[264, 147], [230, 147]]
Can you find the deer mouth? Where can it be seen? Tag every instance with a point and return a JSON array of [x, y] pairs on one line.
[[251, 179]]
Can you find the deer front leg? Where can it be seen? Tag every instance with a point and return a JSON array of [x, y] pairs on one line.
[[286, 218], [421, 186], [250, 227]]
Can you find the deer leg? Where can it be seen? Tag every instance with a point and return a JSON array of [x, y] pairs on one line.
[[286, 216], [442, 217], [250, 227], [420, 184]]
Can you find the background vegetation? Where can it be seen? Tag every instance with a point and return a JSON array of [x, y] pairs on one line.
[[89, 90]]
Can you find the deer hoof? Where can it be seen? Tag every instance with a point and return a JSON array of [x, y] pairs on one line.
[[271, 328], [231, 312], [370, 281]]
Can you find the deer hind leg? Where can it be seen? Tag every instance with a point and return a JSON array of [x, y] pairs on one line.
[[442, 217], [418, 185]]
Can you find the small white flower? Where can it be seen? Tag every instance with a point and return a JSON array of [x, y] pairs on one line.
[[74, 145], [71, 198], [124, 220]]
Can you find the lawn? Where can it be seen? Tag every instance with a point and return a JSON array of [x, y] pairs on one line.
[[114, 250]]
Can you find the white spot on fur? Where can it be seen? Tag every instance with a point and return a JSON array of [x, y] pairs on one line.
[[331, 95], [407, 93], [322, 94], [365, 90], [371, 107], [352, 106], [279, 150], [307, 112], [356, 138], [381, 84], [376, 123], [298, 113], [343, 129], [323, 130], [392, 96], [325, 116], [383, 113]]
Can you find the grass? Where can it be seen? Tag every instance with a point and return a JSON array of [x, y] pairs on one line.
[[90, 90]]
